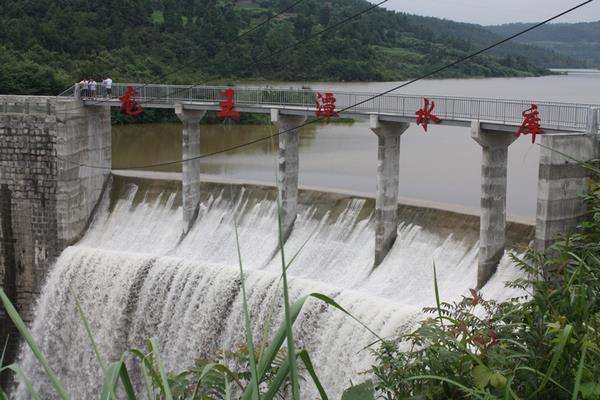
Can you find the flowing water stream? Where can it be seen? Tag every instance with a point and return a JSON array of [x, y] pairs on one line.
[[135, 278]]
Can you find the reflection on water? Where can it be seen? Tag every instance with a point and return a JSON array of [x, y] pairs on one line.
[[441, 166], [138, 145]]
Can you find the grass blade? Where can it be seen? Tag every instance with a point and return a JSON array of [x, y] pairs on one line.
[[126, 380], [88, 330], [21, 376], [466, 390], [4, 351], [558, 350], [22, 328], [161, 369], [247, 322], [329, 301], [437, 295], [267, 325], [146, 366], [311, 370], [271, 351], [110, 380], [288, 318], [584, 164], [278, 381], [579, 375]]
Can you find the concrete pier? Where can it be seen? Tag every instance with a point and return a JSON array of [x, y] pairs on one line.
[[287, 175], [562, 182], [492, 225], [388, 171], [190, 146]]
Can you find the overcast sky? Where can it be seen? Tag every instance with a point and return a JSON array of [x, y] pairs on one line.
[[489, 12]]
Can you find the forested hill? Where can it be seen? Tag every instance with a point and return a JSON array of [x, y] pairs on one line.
[[579, 41], [45, 45]]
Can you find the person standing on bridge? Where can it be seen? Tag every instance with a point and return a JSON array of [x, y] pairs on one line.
[[107, 84], [93, 85], [83, 88]]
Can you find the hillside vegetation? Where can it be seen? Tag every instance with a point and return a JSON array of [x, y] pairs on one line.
[[46, 45], [580, 41]]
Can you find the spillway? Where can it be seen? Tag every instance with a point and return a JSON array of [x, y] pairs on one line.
[[136, 278]]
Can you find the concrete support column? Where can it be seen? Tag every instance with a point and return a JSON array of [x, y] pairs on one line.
[[561, 184], [492, 226], [388, 171], [190, 183], [287, 175]]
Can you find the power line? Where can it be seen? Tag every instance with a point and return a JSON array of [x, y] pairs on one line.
[[427, 75]]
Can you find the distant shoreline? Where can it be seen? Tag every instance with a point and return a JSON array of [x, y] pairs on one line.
[[574, 71]]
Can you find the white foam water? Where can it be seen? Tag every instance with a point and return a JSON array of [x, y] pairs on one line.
[[136, 278]]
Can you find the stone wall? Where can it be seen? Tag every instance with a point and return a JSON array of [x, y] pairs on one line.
[[45, 200]]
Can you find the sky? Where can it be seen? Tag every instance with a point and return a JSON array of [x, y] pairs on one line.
[[490, 12]]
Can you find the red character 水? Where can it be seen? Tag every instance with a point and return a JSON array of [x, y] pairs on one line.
[[425, 115]]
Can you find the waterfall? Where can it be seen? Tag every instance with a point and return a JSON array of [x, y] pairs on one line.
[[136, 277]]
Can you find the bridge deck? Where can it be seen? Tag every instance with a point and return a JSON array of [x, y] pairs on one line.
[[495, 114]]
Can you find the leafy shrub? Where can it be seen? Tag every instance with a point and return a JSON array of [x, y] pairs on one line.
[[544, 345]]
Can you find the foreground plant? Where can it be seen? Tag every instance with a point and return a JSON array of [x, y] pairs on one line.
[[545, 345]]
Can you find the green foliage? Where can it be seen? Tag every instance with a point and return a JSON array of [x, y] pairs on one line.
[[544, 345], [45, 47], [579, 41]]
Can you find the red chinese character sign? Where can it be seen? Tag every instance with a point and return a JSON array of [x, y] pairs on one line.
[[227, 105], [425, 115], [531, 123], [128, 104], [326, 105]]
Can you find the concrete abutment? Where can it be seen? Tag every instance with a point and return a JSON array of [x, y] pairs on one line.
[[562, 183], [46, 196]]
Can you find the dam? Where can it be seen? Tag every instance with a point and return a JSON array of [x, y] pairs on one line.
[[144, 263]]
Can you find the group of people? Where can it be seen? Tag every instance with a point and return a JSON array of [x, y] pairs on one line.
[[88, 88]]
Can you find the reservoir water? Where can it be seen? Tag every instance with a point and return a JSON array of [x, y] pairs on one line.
[[442, 166]]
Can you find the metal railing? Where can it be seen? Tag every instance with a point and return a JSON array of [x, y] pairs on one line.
[[559, 116]]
